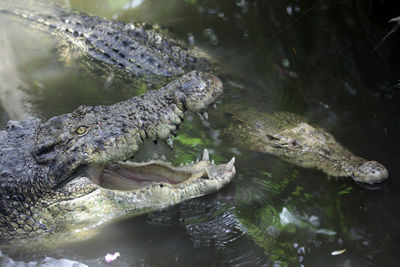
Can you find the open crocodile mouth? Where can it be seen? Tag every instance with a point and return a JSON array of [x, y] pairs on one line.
[[128, 175], [133, 176]]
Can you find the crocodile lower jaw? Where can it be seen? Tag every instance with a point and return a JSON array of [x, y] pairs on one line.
[[127, 189]]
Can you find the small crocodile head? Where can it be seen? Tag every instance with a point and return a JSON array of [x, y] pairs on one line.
[[289, 137], [105, 134]]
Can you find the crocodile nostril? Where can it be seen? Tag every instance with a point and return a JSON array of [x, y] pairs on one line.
[[272, 138]]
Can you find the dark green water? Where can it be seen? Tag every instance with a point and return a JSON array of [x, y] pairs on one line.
[[313, 58]]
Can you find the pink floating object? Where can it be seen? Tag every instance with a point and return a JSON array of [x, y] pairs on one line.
[[111, 257]]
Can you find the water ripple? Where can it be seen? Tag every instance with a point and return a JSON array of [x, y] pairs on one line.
[[210, 224]]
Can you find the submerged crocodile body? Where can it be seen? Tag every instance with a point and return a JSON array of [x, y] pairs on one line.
[[45, 190], [136, 48], [291, 138]]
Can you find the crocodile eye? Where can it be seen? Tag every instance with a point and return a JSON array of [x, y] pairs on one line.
[[81, 130]]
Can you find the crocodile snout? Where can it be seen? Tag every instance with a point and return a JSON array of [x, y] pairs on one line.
[[371, 172]]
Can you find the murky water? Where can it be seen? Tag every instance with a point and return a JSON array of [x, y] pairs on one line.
[[313, 58]]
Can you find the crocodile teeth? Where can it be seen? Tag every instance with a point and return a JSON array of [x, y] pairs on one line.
[[215, 106], [163, 157], [170, 143], [206, 156], [203, 115], [208, 174], [155, 156], [212, 162], [197, 160], [229, 165]]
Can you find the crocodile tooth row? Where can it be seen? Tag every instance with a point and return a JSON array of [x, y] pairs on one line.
[[206, 155], [229, 165], [203, 115]]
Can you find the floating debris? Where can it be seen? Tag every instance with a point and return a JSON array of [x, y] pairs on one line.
[[338, 252], [111, 257]]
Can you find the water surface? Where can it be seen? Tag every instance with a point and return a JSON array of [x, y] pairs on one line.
[[313, 58]]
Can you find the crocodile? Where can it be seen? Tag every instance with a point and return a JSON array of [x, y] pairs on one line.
[[64, 177], [293, 139]]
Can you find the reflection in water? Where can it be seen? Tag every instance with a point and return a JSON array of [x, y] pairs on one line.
[[133, 4], [287, 217], [6, 261], [12, 95]]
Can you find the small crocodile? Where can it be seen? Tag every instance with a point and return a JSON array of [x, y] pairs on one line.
[[45, 190], [293, 139]]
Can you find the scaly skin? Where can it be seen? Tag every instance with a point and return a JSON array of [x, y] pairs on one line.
[[137, 48], [291, 138], [40, 191]]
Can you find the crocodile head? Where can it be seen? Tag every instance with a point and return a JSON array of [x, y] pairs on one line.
[[289, 137], [103, 134], [313, 147], [44, 190]]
